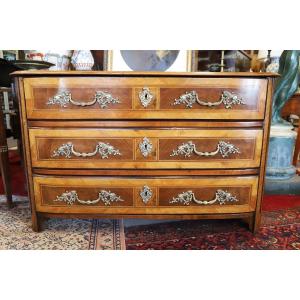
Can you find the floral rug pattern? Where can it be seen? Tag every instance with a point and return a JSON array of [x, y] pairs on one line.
[[57, 233], [280, 230]]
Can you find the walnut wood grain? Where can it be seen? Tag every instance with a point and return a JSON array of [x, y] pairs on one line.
[[267, 125], [47, 73], [45, 141], [148, 172], [48, 188], [144, 124], [38, 91], [25, 145], [126, 125]]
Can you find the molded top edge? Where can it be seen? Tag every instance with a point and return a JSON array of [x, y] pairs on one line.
[[141, 73]]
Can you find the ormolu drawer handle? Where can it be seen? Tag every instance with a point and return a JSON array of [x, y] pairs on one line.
[[104, 149], [223, 148], [64, 98], [221, 196], [107, 197], [227, 98]]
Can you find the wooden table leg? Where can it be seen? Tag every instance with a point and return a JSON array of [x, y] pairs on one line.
[[4, 162]]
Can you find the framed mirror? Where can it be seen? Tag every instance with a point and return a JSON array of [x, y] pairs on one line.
[[148, 60]]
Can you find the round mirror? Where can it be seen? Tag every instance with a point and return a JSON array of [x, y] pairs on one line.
[[149, 60]]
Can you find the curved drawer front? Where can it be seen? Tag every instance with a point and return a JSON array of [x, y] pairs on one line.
[[145, 195], [145, 148], [144, 98]]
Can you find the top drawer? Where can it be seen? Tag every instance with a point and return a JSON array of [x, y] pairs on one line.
[[145, 98]]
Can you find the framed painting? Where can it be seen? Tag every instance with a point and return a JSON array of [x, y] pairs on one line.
[[148, 60]]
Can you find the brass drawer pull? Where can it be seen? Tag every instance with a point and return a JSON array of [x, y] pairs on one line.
[[227, 98], [146, 96], [64, 98], [104, 149], [107, 197], [186, 198], [188, 148]]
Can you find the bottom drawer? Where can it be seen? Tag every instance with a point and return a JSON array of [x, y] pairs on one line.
[[144, 195]]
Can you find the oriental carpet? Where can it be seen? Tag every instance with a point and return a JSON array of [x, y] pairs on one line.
[[280, 228]]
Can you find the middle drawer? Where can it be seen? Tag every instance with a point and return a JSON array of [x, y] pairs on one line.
[[145, 148]]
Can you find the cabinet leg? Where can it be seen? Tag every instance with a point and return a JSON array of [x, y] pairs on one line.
[[36, 222], [251, 223], [256, 224]]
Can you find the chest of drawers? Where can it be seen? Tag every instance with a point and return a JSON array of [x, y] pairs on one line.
[[145, 145]]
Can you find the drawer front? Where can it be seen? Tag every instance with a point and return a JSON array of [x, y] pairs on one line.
[[144, 98], [145, 148], [182, 195]]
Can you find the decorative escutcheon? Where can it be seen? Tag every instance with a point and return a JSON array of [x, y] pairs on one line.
[[187, 149], [65, 97], [145, 147], [107, 197], [227, 98], [186, 198], [146, 194], [146, 96], [103, 149]]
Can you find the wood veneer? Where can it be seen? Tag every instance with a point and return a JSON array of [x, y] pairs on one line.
[[45, 141], [45, 127], [165, 90], [48, 188]]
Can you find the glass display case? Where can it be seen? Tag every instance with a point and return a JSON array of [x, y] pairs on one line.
[[221, 61]]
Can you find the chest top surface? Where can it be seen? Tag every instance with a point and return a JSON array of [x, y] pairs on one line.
[[143, 74]]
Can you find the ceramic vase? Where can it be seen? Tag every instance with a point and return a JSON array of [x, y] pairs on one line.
[[82, 60], [273, 66], [61, 59], [34, 54]]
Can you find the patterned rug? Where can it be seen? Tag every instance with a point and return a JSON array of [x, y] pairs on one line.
[[280, 230], [57, 234], [107, 234]]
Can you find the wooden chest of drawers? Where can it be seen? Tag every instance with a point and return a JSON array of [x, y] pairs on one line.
[[145, 145]]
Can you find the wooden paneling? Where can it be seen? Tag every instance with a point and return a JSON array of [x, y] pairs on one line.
[[44, 143], [164, 190], [38, 91]]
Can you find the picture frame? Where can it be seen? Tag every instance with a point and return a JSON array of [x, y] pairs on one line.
[[114, 61], [220, 60], [9, 54]]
